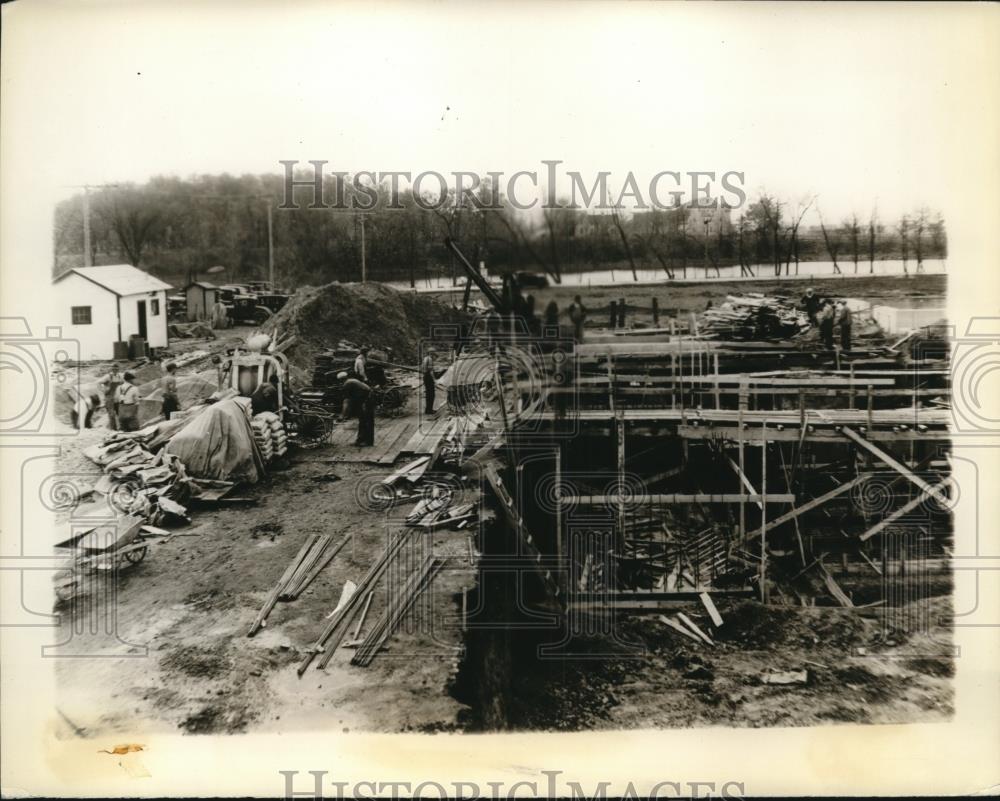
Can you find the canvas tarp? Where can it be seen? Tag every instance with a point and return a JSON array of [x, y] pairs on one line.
[[218, 443]]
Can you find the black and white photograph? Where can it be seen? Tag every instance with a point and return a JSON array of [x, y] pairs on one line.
[[431, 384]]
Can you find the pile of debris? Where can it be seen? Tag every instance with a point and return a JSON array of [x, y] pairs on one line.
[[150, 486], [373, 314], [753, 316]]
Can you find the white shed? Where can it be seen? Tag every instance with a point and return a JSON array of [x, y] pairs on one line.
[[98, 306]]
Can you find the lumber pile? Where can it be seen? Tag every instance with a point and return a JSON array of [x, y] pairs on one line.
[[395, 610], [753, 316], [333, 634], [314, 555]]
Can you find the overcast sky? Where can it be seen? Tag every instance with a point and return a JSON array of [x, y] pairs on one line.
[[801, 99]]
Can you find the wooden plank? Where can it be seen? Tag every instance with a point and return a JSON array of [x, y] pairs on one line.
[[895, 465], [713, 612], [902, 510], [679, 497], [694, 627], [272, 597], [834, 588], [744, 480], [819, 501], [679, 628]]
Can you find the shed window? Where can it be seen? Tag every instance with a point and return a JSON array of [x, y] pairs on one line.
[[81, 315], [154, 306]]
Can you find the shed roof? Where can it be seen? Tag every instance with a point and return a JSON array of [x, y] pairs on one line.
[[201, 284], [121, 279]]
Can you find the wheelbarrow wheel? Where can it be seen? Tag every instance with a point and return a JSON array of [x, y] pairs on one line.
[[136, 556]]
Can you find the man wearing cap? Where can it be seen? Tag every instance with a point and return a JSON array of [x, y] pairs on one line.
[[361, 365], [826, 320], [427, 369], [845, 321], [811, 304], [109, 383], [171, 403], [359, 402], [128, 404]]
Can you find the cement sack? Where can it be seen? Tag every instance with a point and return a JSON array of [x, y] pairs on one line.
[[219, 444]]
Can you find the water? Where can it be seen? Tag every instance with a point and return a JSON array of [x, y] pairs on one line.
[[807, 270]]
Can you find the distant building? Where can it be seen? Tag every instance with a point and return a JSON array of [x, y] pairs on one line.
[[99, 306], [200, 297]]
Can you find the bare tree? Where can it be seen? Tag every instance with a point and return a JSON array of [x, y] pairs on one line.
[[853, 229], [904, 241], [832, 245], [771, 210], [793, 233], [617, 220], [920, 223], [873, 227], [134, 219], [741, 252]]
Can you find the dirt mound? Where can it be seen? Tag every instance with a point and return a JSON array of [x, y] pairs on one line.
[[364, 314]]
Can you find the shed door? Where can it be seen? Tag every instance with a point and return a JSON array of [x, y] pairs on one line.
[[140, 307]]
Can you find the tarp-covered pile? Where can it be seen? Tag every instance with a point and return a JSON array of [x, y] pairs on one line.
[[219, 443], [753, 316]]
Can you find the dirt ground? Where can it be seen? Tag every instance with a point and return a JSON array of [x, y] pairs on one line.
[[180, 659], [855, 674], [178, 656]]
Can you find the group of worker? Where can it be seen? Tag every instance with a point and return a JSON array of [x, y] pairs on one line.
[[121, 399], [824, 314]]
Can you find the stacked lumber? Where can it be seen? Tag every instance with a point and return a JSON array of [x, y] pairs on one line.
[[753, 316], [333, 634], [395, 610], [314, 555]]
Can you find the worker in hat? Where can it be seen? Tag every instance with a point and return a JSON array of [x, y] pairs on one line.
[[128, 403], [171, 402], [811, 305], [826, 321], [361, 365], [109, 384], [845, 321], [359, 401]]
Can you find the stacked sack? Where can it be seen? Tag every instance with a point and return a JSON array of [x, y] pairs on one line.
[[269, 433]]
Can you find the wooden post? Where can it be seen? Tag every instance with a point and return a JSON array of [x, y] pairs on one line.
[[715, 367], [763, 514], [614, 315], [656, 313], [739, 426], [852, 392], [621, 313], [621, 480]]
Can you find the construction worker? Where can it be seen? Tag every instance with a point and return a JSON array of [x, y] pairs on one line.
[[359, 401], [84, 406], [361, 365], [845, 320], [128, 403], [171, 403], [552, 314], [109, 384], [811, 305], [826, 320], [427, 370]]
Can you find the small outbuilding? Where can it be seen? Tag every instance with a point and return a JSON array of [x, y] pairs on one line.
[[98, 306], [200, 297]]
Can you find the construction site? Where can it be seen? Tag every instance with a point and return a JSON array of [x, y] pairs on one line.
[[672, 505]]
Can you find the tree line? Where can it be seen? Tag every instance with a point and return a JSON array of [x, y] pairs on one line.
[[179, 228]]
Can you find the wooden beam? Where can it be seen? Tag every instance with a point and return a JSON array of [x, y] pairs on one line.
[[744, 480], [902, 510], [819, 501], [895, 465], [678, 497]]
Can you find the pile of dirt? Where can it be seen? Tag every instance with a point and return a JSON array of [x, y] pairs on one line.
[[364, 314]]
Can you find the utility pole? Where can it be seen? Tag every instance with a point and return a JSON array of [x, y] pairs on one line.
[[706, 221], [364, 267], [86, 227], [270, 244]]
